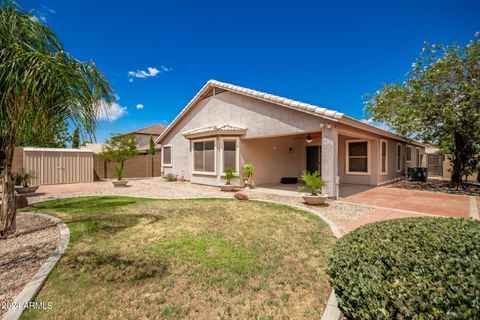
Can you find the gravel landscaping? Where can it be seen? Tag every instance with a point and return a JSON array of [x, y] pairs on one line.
[[22, 253], [339, 213]]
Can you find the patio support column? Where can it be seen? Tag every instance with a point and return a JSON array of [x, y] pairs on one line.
[[330, 159]]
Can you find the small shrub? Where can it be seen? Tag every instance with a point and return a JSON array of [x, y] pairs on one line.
[[420, 268], [313, 181], [171, 177], [229, 174]]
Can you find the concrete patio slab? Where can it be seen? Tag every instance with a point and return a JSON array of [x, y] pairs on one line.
[[432, 203]]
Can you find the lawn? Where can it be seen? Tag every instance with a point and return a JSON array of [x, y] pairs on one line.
[[133, 258]]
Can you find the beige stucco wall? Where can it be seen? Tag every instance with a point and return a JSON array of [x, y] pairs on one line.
[[262, 119], [272, 159], [262, 146]]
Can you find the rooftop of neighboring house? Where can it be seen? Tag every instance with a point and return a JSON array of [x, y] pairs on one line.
[[154, 130]]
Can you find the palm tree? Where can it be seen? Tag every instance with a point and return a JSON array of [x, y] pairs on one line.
[[40, 86]]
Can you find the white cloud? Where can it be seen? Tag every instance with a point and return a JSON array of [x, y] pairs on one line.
[[41, 14], [378, 124], [139, 106], [110, 112], [150, 72]]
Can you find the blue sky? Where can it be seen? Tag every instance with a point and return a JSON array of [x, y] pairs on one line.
[[328, 53]]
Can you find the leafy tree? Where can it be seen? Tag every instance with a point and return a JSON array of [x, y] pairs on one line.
[[76, 138], [151, 149], [119, 148], [41, 87], [439, 102]]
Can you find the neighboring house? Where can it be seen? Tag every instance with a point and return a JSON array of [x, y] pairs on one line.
[[94, 147], [143, 135], [226, 126]]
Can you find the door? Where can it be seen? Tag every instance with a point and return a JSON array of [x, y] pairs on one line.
[[314, 159]]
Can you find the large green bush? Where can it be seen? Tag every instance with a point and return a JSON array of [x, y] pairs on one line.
[[416, 268]]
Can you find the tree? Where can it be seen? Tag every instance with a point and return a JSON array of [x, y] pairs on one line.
[[57, 137], [119, 148], [151, 149], [41, 87], [439, 102], [76, 138]]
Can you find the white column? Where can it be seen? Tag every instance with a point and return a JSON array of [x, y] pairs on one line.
[[330, 159]]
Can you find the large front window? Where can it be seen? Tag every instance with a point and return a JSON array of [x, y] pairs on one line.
[[204, 156], [357, 157]]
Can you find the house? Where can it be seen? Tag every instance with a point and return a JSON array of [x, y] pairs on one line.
[[143, 135], [226, 126]]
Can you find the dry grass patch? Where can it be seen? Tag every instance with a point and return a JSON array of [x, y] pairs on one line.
[[200, 259]]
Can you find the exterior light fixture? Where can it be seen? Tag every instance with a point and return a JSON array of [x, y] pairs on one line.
[[308, 139]]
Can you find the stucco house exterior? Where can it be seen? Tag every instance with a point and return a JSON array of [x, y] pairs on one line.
[[226, 126]]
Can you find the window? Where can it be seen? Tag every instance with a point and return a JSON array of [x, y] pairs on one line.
[[398, 160], [357, 157], [230, 154], [167, 156], [383, 156], [419, 158], [409, 154], [204, 156]]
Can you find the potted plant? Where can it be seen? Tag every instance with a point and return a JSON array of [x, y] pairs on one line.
[[314, 182], [229, 175], [119, 149], [22, 181], [248, 172]]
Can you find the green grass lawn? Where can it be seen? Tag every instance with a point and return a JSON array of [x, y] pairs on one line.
[[133, 258]]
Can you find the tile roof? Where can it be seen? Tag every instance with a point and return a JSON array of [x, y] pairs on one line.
[[154, 129], [333, 115]]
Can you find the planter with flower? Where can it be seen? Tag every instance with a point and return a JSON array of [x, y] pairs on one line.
[[313, 182], [248, 173], [22, 181]]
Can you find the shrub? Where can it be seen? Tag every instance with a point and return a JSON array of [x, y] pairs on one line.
[[313, 181], [229, 174], [421, 268], [171, 177]]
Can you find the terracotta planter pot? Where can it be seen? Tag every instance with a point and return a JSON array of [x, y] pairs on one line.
[[314, 200], [228, 187], [26, 190], [120, 183]]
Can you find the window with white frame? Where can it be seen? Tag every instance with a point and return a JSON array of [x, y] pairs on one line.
[[230, 154], [398, 157], [383, 156], [204, 158], [408, 156], [419, 157], [357, 157], [167, 156]]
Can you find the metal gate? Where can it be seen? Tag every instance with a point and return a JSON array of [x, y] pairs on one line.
[[56, 166], [435, 165]]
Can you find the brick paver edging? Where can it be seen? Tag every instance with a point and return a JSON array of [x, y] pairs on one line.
[[35, 284]]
